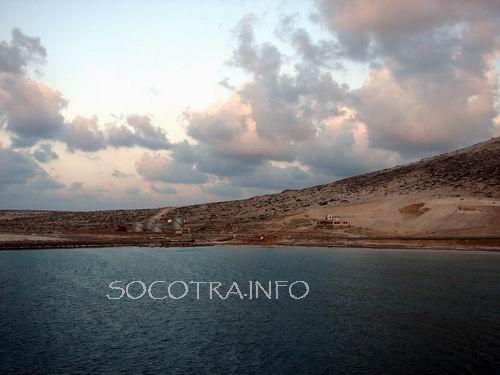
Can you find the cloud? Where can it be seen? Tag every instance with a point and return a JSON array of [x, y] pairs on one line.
[[84, 134], [159, 168], [276, 117], [429, 90], [139, 131], [225, 83], [403, 29], [44, 153], [31, 111], [431, 87], [413, 115], [163, 189], [22, 49], [225, 190], [134, 191], [323, 53], [19, 169], [75, 186], [415, 36], [119, 174], [43, 181], [270, 177]]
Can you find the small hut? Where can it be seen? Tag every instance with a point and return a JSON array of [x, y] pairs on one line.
[[332, 221]]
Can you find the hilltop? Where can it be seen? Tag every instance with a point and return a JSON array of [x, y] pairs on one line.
[[453, 198]]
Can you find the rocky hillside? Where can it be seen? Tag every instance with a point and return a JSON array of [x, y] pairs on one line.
[[472, 173]]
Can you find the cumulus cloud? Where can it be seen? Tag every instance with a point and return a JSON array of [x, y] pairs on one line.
[[139, 131], [16, 168], [431, 88], [31, 111], [44, 153], [413, 115], [19, 169], [160, 168], [22, 49], [84, 134], [427, 29], [277, 117]]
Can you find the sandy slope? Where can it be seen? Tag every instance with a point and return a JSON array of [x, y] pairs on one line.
[[420, 214]]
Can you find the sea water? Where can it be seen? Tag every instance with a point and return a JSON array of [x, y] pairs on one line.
[[366, 311]]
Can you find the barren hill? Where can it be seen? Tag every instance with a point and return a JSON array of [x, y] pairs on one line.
[[453, 195]]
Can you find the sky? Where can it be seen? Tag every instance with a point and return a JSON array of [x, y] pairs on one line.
[[128, 104]]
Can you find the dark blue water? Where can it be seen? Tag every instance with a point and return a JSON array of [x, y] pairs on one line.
[[367, 312]]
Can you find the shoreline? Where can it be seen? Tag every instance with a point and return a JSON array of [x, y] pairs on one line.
[[457, 244]]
